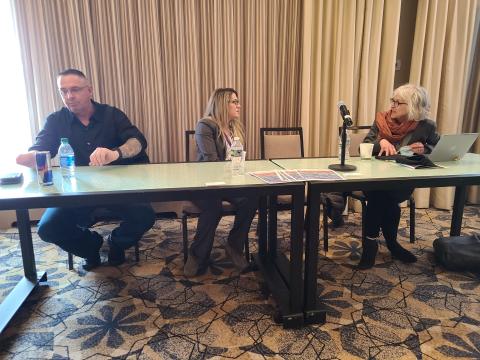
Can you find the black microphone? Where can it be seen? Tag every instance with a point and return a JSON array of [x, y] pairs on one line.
[[347, 121], [345, 113]]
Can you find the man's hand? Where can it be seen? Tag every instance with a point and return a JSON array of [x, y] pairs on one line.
[[386, 148], [417, 148], [103, 156], [27, 159]]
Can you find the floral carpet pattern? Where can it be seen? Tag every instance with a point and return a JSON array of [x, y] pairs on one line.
[[149, 310]]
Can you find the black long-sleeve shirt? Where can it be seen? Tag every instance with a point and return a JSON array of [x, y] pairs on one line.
[[109, 127]]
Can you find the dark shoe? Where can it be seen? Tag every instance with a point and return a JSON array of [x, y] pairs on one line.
[[116, 255], [400, 253], [334, 210], [94, 260], [338, 221], [190, 269], [369, 252], [238, 259]]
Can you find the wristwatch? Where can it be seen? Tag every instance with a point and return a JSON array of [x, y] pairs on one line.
[[120, 155]]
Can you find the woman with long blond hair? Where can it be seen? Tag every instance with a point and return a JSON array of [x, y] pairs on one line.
[[214, 135]]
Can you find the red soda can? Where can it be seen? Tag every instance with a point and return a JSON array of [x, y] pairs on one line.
[[44, 167]]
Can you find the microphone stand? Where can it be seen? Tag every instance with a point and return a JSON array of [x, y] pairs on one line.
[[342, 166]]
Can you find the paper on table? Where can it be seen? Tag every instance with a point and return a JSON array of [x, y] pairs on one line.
[[294, 175], [320, 174], [421, 166], [215, 183], [283, 176], [272, 177]]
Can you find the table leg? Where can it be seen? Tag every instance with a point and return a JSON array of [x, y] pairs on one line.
[[262, 227], [272, 226], [457, 211], [296, 252], [314, 313], [283, 277], [26, 245], [22, 290]]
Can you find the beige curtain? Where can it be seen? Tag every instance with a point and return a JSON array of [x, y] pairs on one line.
[[158, 61], [441, 61], [348, 53], [472, 107]]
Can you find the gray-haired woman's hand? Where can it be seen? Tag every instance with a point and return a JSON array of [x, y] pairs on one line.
[[386, 148], [417, 148]]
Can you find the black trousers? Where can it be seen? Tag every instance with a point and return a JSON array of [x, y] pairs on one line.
[[383, 212], [211, 213]]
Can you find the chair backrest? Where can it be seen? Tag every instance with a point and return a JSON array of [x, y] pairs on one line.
[[357, 134], [286, 142], [190, 146]]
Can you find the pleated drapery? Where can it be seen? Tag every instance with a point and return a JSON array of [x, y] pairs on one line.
[[291, 61], [471, 122], [349, 52], [158, 61], [441, 62]]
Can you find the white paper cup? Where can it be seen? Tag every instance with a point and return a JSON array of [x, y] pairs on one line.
[[366, 150]]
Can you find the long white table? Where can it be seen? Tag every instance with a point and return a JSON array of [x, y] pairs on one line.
[[153, 183], [296, 295], [375, 175]]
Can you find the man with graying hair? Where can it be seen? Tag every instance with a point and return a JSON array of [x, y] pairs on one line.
[[99, 134]]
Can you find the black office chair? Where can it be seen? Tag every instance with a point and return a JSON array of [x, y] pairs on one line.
[[287, 143], [357, 134], [190, 209], [101, 214]]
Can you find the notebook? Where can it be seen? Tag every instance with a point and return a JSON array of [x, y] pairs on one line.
[[452, 147]]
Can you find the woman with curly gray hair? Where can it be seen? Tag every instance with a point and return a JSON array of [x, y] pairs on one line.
[[405, 125]]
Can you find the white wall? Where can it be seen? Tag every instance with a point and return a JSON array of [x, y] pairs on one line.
[[7, 217]]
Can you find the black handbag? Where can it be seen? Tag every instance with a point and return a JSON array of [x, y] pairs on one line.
[[459, 253]]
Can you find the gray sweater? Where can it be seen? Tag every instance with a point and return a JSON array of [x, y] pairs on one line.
[[425, 132]]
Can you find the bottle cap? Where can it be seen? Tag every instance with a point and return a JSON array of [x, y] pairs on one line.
[[64, 140]]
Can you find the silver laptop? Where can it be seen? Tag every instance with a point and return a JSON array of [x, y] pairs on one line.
[[452, 147]]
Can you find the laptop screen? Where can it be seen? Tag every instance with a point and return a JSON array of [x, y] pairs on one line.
[[452, 147]]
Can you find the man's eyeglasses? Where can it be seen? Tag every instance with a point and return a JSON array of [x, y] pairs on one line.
[[73, 91], [236, 102], [396, 103]]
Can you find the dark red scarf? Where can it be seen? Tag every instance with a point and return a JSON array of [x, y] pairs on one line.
[[392, 130]]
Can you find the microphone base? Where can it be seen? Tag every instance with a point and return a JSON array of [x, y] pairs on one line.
[[340, 167]]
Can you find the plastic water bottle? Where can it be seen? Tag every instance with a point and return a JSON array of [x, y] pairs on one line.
[[347, 147], [67, 159], [236, 156]]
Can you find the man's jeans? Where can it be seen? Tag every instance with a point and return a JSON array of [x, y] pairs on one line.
[[69, 227]]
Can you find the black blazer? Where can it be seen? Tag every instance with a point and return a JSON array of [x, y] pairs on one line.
[[425, 132], [210, 143]]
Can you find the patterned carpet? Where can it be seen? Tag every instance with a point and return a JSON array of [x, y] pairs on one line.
[[150, 311]]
